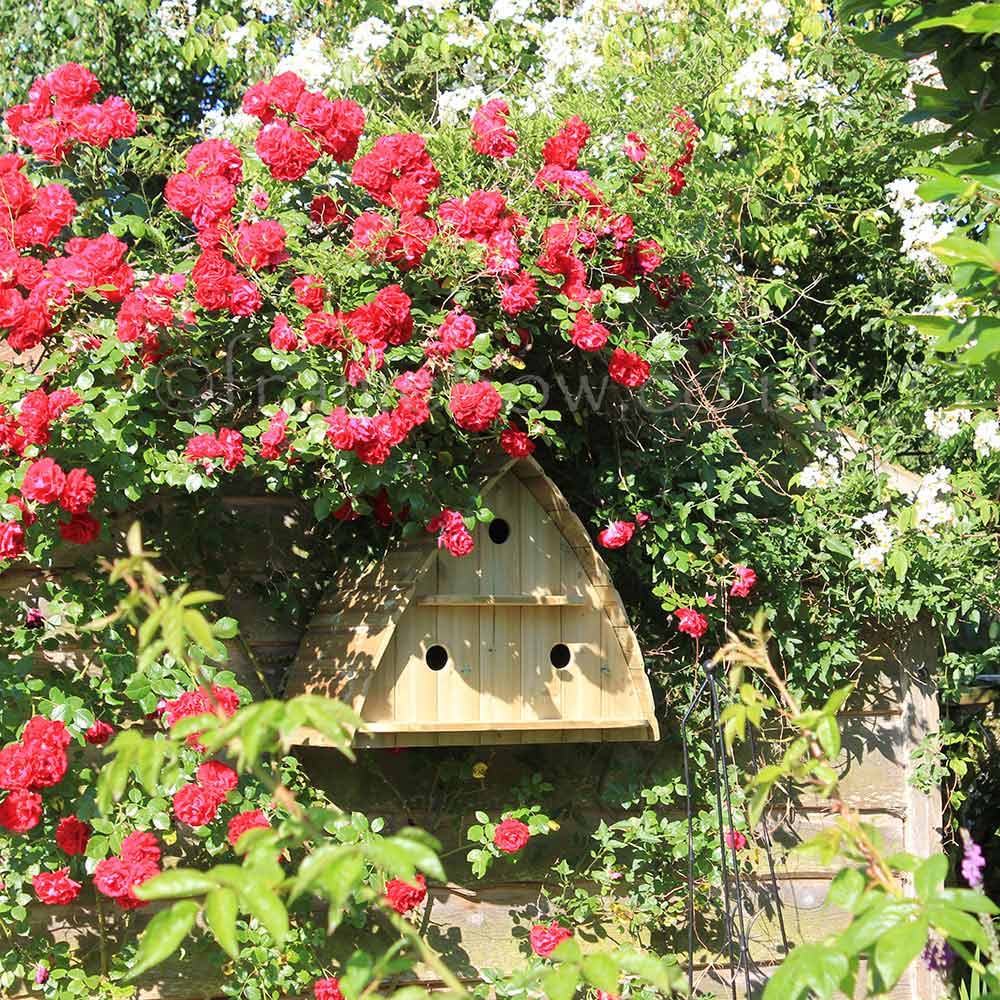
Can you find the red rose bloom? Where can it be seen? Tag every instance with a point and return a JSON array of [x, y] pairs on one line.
[[286, 151], [195, 805], [73, 83], [113, 877], [252, 820], [12, 540], [475, 405], [81, 529], [511, 835], [20, 811], [99, 733], [691, 622], [402, 896], [520, 294], [616, 534], [218, 777], [283, 337], [326, 211], [516, 443], [586, 334], [743, 584], [55, 888], [327, 989], [72, 835], [43, 482], [492, 136], [545, 939], [735, 840], [17, 767], [140, 848], [79, 492], [628, 369]]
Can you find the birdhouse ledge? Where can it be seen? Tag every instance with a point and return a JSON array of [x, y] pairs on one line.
[[525, 640]]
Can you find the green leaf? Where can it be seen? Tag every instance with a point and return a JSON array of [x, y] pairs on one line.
[[810, 969], [198, 628], [264, 904], [602, 972], [561, 982], [846, 889], [220, 914], [174, 883], [930, 876], [896, 949], [957, 924], [163, 935], [828, 734]]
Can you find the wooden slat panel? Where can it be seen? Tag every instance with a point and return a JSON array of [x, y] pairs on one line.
[[499, 600], [580, 629], [500, 668], [416, 684], [539, 543], [618, 698], [458, 684], [540, 685], [500, 563]]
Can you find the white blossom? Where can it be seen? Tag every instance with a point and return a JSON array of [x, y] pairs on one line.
[[824, 472], [946, 423], [987, 437], [766, 80], [453, 105], [930, 511], [922, 225], [308, 60], [367, 38], [432, 7], [175, 17], [766, 16]]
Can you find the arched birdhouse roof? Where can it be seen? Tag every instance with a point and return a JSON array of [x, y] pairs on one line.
[[524, 640]]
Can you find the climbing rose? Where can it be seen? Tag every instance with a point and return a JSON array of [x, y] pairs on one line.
[[253, 819], [20, 811], [516, 443], [628, 369], [17, 767], [511, 835], [545, 939], [72, 835], [195, 805], [586, 334], [745, 579], [616, 534], [79, 492], [283, 337], [492, 135], [55, 888], [327, 989], [11, 540], [43, 482], [402, 896], [452, 532], [140, 848], [285, 151], [635, 149], [735, 840], [81, 529], [475, 405], [218, 777], [99, 733], [691, 622]]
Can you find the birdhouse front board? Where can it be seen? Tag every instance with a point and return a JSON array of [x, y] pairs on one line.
[[525, 640]]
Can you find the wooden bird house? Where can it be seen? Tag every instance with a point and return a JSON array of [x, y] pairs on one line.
[[525, 640]]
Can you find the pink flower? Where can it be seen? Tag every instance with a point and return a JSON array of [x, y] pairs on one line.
[[545, 939], [734, 840], [511, 835], [743, 584], [691, 622], [616, 534]]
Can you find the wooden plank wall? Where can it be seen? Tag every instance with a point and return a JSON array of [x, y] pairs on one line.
[[484, 925]]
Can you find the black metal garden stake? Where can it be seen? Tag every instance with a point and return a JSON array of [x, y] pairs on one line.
[[736, 915]]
